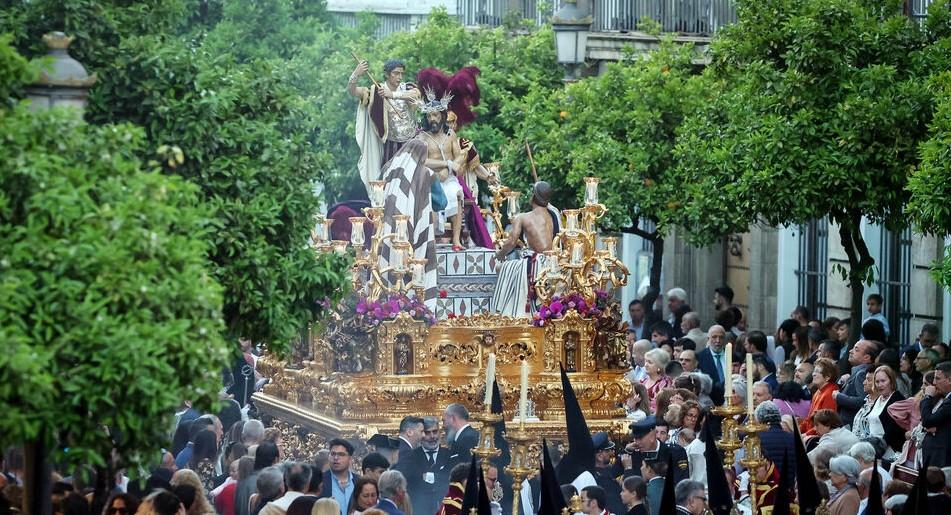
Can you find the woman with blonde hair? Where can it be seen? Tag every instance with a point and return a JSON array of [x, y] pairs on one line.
[[880, 423], [188, 477], [655, 364], [326, 506]]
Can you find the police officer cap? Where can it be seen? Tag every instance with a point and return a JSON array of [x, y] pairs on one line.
[[602, 442], [643, 427]]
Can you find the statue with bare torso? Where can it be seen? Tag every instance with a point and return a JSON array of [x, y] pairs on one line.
[[537, 230], [444, 158]]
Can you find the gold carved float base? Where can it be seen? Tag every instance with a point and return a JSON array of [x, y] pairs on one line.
[[418, 371]]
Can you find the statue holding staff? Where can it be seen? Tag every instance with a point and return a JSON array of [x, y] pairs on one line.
[[386, 117]]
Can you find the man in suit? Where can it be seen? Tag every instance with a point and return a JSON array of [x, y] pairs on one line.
[[762, 370], [850, 398], [427, 470], [339, 480], [936, 417], [712, 361], [411, 432], [392, 489], [927, 338], [691, 497], [460, 436]]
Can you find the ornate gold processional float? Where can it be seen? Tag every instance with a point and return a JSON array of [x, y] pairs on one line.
[[383, 354]]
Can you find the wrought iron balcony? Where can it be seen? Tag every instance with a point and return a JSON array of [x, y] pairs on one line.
[[689, 17]]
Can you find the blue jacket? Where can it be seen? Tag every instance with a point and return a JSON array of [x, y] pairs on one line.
[[775, 444], [388, 506]]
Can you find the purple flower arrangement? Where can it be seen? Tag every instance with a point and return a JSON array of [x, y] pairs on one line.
[[378, 311], [559, 306]]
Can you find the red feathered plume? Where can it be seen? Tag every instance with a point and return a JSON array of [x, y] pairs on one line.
[[462, 85]]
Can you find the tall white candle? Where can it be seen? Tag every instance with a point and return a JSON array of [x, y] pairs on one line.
[[357, 238], [728, 374], [419, 273], [749, 382], [489, 379], [523, 393], [591, 190]]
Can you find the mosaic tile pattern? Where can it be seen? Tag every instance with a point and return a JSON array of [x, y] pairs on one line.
[[468, 278]]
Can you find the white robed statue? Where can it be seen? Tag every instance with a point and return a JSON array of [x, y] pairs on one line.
[[386, 117]]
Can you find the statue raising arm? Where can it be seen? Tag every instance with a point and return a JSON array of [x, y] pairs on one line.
[[358, 92]]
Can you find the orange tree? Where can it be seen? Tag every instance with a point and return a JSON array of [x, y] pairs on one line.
[[818, 110], [109, 311], [622, 126], [211, 78]]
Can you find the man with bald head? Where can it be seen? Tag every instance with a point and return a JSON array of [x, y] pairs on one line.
[[712, 361], [536, 229], [850, 398]]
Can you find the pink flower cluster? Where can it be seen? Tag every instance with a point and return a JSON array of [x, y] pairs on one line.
[[560, 305], [387, 309]]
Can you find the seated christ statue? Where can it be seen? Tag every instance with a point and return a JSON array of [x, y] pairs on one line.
[[422, 168]]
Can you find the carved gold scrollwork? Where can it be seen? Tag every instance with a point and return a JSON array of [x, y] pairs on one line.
[[464, 353], [513, 352], [487, 320]]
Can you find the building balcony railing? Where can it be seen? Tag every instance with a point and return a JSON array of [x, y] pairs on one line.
[[694, 17]]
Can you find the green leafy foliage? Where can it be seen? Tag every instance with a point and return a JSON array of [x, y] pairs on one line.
[[15, 71], [818, 111], [108, 309], [266, 29], [212, 78], [248, 143], [622, 126], [930, 184]]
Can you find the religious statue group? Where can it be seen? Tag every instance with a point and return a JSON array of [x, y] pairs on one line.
[[408, 137]]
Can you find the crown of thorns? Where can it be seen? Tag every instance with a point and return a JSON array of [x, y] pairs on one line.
[[431, 104]]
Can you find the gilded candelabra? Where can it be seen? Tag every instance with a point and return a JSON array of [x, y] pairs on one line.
[[730, 440], [574, 505], [522, 466], [404, 273], [753, 457], [486, 450], [502, 195], [576, 264]]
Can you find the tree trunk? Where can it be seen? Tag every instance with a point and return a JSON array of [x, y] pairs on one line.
[[657, 265], [37, 499], [860, 269]]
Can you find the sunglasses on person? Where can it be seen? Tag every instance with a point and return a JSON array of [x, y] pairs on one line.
[[120, 511]]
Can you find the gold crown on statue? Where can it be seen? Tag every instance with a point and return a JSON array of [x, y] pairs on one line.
[[432, 105]]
